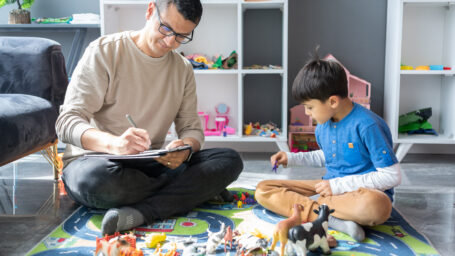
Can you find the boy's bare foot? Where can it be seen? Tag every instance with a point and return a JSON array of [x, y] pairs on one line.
[[332, 241]]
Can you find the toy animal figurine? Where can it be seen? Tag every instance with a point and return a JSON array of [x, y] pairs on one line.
[[191, 248], [228, 238], [215, 239], [248, 243], [280, 233], [117, 247], [194, 250], [170, 252], [311, 235], [151, 240]]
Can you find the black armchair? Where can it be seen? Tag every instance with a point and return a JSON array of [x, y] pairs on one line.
[[33, 83]]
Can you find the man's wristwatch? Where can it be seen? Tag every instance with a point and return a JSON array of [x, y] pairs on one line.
[[190, 154]]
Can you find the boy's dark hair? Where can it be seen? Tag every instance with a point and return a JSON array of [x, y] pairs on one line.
[[319, 79], [190, 9]]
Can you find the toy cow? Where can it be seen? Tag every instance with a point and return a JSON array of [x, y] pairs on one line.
[[280, 232], [311, 235]]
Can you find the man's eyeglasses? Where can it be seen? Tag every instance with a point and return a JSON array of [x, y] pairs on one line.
[[167, 31]]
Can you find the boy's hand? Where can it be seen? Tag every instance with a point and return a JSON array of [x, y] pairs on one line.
[[279, 158], [323, 188]]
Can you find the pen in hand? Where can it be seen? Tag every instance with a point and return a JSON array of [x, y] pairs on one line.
[[130, 120]]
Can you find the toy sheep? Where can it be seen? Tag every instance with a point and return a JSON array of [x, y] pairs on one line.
[[280, 232], [311, 235]]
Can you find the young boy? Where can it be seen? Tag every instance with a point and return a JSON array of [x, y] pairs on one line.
[[356, 149]]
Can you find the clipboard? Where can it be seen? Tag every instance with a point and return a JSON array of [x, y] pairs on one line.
[[143, 155]]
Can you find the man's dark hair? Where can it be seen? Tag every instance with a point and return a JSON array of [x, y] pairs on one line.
[[319, 79], [190, 9]]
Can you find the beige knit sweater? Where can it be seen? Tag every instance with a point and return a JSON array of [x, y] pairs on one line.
[[114, 78]]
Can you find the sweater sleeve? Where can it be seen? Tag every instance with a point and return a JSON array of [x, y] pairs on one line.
[[84, 97], [187, 121], [381, 179], [313, 158]]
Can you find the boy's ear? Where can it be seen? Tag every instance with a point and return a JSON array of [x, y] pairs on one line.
[[334, 101]]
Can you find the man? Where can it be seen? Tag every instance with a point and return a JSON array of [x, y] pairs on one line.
[[139, 73]]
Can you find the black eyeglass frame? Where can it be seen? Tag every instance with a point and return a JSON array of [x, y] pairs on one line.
[[172, 32]]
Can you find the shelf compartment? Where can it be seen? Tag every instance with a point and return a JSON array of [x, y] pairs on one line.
[[428, 34], [262, 45], [262, 99], [437, 92], [219, 20], [215, 89]]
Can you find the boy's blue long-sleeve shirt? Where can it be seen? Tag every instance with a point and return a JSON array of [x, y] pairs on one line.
[[357, 144]]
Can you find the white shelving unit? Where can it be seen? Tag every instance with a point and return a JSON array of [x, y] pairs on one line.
[[420, 33], [220, 31]]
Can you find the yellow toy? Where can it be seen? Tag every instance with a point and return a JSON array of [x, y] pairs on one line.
[[422, 68], [248, 129], [258, 234], [404, 67], [239, 204], [151, 240]]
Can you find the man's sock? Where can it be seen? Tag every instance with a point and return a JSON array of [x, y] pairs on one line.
[[349, 227], [120, 219], [227, 196]]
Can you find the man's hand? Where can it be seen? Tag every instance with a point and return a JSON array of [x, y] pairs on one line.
[[279, 158], [323, 188], [174, 159], [132, 141]]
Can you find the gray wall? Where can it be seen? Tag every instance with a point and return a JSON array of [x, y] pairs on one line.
[[352, 30], [56, 9]]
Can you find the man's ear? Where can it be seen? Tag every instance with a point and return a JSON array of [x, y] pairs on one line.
[[150, 9]]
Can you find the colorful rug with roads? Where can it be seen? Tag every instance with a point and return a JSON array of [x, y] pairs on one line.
[[77, 235]]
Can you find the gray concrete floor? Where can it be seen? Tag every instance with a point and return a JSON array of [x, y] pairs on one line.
[[31, 207]]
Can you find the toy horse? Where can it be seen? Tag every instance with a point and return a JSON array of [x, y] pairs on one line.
[[280, 233]]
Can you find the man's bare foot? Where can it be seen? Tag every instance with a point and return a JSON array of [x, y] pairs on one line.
[[332, 241]]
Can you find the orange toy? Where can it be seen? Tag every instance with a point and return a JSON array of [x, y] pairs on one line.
[[280, 233]]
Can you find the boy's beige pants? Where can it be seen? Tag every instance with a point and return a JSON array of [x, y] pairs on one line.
[[365, 206]]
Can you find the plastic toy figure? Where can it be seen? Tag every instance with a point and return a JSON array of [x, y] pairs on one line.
[[280, 233], [248, 243], [275, 167], [228, 238], [151, 240], [215, 239], [311, 235], [116, 247]]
